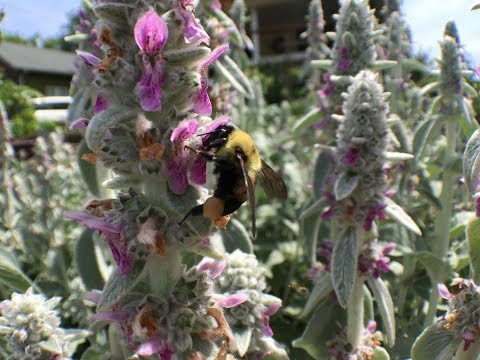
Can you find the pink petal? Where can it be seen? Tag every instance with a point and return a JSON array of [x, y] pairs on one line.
[[93, 296], [477, 70], [155, 345], [215, 54], [372, 326], [149, 87], [184, 130], [216, 5], [233, 300], [214, 267], [192, 30], [112, 316], [151, 33], [273, 308], [443, 291], [79, 124], [203, 105], [89, 59], [387, 249], [177, 177], [95, 222], [198, 170]]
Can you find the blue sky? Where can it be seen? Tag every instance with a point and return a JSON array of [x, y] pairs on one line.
[[425, 17]]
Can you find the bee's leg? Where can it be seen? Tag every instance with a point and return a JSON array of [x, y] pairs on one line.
[[197, 210], [206, 154], [217, 143]]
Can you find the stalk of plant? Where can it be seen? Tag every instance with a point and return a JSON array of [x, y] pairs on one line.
[[152, 106]]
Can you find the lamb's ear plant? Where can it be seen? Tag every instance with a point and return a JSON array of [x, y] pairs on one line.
[[151, 83]]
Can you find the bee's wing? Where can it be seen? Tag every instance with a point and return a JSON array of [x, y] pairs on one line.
[[250, 193], [272, 183]]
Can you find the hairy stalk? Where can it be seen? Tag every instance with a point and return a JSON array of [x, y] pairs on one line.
[[442, 223]]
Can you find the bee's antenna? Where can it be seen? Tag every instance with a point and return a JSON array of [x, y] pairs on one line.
[[185, 217]]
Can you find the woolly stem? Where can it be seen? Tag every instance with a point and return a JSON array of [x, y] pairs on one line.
[[355, 311], [442, 223]]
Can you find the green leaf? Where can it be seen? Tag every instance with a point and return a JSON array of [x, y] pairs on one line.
[[430, 87], [396, 212], [422, 136], [11, 275], [51, 345], [469, 89], [185, 56], [236, 236], [397, 156], [92, 354], [112, 13], [473, 240], [345, 184], [86, 261], [310, 118], [321, 64], [475, 7], [413, 64], [344, 264], [242, 336], [87, 170], [385, 306], [323, 167], [76, 109], [104, 120], [437, 269], [231, 79], [379, 353], [318, 331], [322, 288], [471, 162], [233, 68], [119, 285], [435, 342], [368, 312], [383, 64]]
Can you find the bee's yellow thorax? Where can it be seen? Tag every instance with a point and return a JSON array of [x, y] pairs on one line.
[[240, 139]]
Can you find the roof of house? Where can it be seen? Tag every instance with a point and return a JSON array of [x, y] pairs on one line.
[[33, 59]]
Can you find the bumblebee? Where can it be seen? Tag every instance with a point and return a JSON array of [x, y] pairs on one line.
[[238, 165]]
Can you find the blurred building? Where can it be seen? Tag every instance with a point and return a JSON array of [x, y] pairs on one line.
[[47, 70]]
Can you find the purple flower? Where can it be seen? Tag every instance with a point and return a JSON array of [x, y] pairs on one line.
[[270, 311], [332, 201], [89, 59], [213, 267], [352, 155], [203, 105], [375, 261], [468, 338], [192, 30], [177, 168], [376, 211], [151, 34], [344, 62], [233, 300], [155, 345], [477, 206], [112, 235], [100, 104]]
